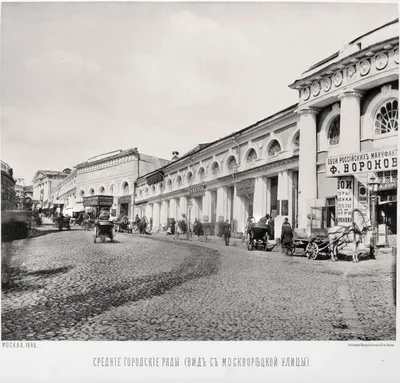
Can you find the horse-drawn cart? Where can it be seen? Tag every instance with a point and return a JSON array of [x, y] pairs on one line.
[[257, 237], [328, 242]]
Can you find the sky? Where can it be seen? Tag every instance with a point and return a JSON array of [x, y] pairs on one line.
[[81, 79]]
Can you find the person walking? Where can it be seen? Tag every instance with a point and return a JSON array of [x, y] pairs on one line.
[[227, 232], [286, 234]]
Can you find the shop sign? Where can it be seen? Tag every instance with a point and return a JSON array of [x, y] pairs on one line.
[[155, 178], [125, 199], [98, 200], [387, 186], [197, 191], [344, 200], [362, 198], [245, 187], [371, 161]]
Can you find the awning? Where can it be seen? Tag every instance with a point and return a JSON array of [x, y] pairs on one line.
[[140, 203]]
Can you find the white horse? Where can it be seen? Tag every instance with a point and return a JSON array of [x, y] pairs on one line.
[[340, 236]]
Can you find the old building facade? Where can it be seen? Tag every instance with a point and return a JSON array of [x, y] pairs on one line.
[[110, 174], [8, 199], [347, 109]]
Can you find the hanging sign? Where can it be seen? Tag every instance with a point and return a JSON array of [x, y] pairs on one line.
[[98, 200], [344, 200], [197, 191], [371, 161], [245, 187]]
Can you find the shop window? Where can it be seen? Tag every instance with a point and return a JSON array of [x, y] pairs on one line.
[[215, 168], [251, 156], [296, 140], [232, 164], [334, 132], [274, 148], [386, 118]]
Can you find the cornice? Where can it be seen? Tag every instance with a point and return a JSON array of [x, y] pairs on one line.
[[351, 93]]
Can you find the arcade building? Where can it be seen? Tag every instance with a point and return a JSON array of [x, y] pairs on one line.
[[333, 151]]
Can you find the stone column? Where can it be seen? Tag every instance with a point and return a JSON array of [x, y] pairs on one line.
[[172, 208], [307, 163], [239, 212], [164, 213], [156, 215], [207, 205], [183, 207], [350, 129], [260, 196], [222, 202], [283, 194]]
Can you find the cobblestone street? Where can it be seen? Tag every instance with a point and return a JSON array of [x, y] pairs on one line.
[[159, 288]]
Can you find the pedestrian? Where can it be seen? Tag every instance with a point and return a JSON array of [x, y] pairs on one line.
[[227, 232], [264, 220], [286, 233]]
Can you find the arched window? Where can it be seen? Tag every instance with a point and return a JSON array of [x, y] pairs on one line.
[[251, 156], [82, 194], [296, 140], [146, 191], [161, 186], [334, 132], [112, 189], [274, 148], [153, 189], [215, 168], [101, 190], [125, 188], [190, 178], [386, 118], [91, 191], [179, 181], [202, 173], [232, 164], [169, 184]]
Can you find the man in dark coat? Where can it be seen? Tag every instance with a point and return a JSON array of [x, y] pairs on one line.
[[287, 233], [227, 232]]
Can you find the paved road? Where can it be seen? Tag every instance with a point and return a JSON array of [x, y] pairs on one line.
[[151, 288]]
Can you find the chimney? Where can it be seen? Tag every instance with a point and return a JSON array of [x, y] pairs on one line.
[[175, 156]]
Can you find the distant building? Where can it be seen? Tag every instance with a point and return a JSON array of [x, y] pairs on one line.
[[43, 182], [8, 201], [19, 191], [112, 174]]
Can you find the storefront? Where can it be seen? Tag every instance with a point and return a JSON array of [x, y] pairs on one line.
[[124, 205], [97, 203]]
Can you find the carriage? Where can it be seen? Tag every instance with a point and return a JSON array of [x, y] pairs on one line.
[[61, 222], [257, 237], [123, 225], [328, 242], [102, 230]]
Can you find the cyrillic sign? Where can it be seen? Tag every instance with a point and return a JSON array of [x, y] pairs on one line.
[[98, 200], [125, 199], [344, 201], [197, 191], [371, 161], [245, 187]]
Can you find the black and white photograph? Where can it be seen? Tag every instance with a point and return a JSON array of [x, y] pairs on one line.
[[183, 171]]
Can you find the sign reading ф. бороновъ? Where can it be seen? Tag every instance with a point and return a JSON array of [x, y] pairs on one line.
[[372, 161]]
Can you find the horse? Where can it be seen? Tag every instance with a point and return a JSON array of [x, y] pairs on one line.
[[340, 236]]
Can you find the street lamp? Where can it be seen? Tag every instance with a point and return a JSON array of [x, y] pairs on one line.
[[189, 206], [373, 184]]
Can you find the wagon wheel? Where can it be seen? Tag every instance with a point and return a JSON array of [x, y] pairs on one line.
[[94, 239], [312, 250]]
